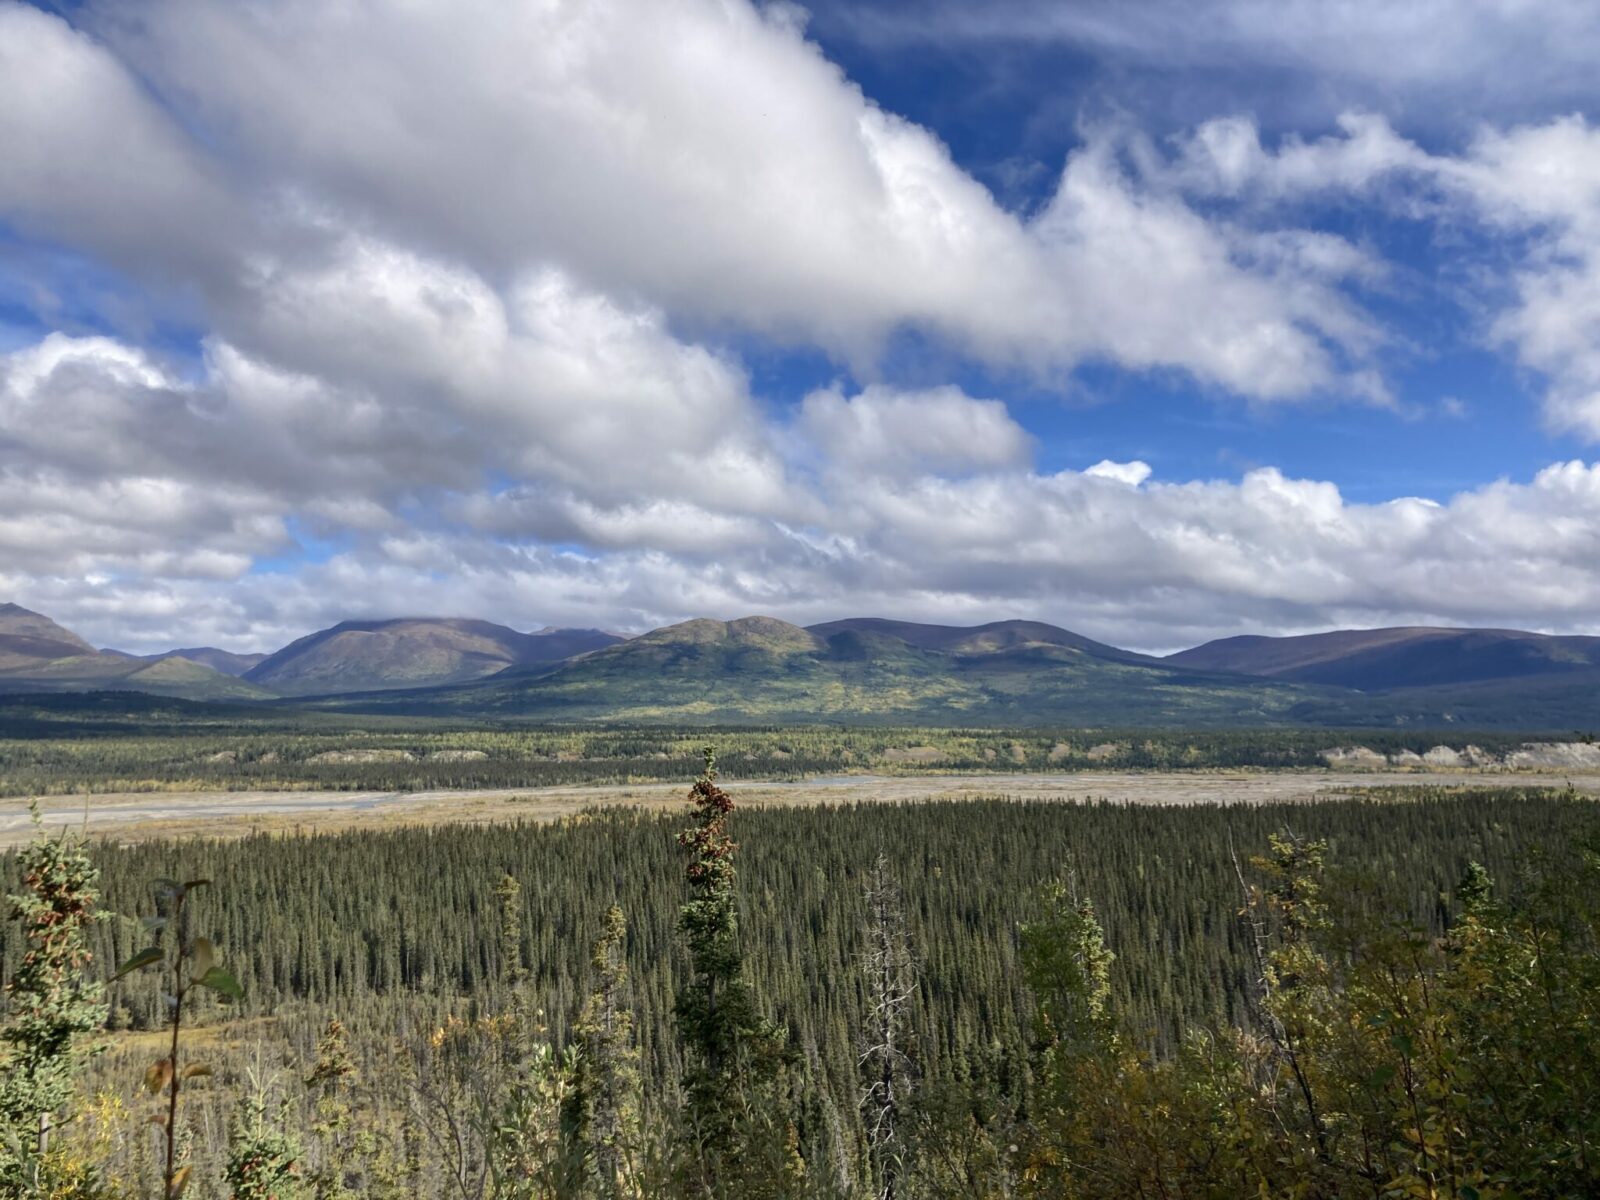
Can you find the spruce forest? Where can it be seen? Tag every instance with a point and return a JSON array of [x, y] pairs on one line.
[[1388, 996]]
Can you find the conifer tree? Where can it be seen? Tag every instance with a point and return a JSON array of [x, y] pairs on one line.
[[513, 972], [50, 1004], [736, 1111], [608, 1078], [262, 1154], [1068, 967], [332, 1076]]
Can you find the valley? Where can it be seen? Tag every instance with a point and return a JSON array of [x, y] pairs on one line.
[[125, 818]]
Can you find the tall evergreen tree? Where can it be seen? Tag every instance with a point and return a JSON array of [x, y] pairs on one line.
[[608, 1079], [736, 1110]]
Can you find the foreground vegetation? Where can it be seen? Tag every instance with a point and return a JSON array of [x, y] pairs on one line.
[[68, 750], [1392, 997]]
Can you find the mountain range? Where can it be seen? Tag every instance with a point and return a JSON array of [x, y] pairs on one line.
[[760, 669]]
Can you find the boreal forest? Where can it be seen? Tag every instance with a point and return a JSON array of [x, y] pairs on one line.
[[1390, 995]]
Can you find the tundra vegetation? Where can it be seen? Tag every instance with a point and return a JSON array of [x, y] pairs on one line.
[[1387, 997]]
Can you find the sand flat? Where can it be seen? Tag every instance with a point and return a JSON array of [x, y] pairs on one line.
[[136, 816]]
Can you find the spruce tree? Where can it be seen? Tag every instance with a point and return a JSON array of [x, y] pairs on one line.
[[262, 1155], [736, 1119], [608, 1079]]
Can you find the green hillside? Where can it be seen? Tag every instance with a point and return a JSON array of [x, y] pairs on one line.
[[762, 669]]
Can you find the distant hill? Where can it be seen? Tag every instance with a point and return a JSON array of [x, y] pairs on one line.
[[37, 655], [1378, 660], [876, 670], [362, 656], [29, 639], [761, 669], [225, 661], [996, 637]]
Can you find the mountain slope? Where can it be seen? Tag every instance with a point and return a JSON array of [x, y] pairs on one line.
[[995, 637], [37, 655], [29, 639], [166, 676], [359, 656], [1372, 660], [225, 661], [760, 669]]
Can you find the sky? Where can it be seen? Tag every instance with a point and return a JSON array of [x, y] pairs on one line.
[[1161, 322]]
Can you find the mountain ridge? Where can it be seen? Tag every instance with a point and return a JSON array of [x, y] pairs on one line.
[[402, 652], [855, 669], [1397, 657]]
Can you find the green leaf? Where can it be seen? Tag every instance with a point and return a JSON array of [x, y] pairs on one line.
[[219, 980], [152, 924], [151, 954]]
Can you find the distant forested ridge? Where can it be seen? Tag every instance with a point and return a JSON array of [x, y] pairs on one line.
[[1032, 1063], [857, 671], [89, 745]]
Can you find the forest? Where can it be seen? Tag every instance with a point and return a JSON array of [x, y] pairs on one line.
[[1388, 996], [71, 745]]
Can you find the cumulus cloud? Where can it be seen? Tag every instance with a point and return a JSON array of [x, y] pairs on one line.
[[1131, 473], [468, 294], [701, 156], [1539, 183], [887, 429], [91, 160], [1154, 566]]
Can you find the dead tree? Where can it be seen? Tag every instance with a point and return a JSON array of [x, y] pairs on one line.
[[886, 1069]]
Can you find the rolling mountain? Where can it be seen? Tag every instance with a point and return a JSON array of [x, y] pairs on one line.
[[225, 661], [763, 669], [30, 639], [37, 655], [1382, 660], [363, 656], [859, 670], [996, 637]]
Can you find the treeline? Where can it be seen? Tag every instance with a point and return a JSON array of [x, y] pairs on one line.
[[1360, 1031], [409, 759]]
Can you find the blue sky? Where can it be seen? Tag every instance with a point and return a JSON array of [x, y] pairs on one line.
[[1162, 321]]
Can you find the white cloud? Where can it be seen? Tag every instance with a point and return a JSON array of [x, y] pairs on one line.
[[92, 161], [700, 155], [1225, 157], [884, 429], [1538, 183], [1156, 565], [1131, 473], [467, 288]]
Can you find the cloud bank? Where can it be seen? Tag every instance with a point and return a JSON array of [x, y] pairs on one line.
[[469, 300]]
